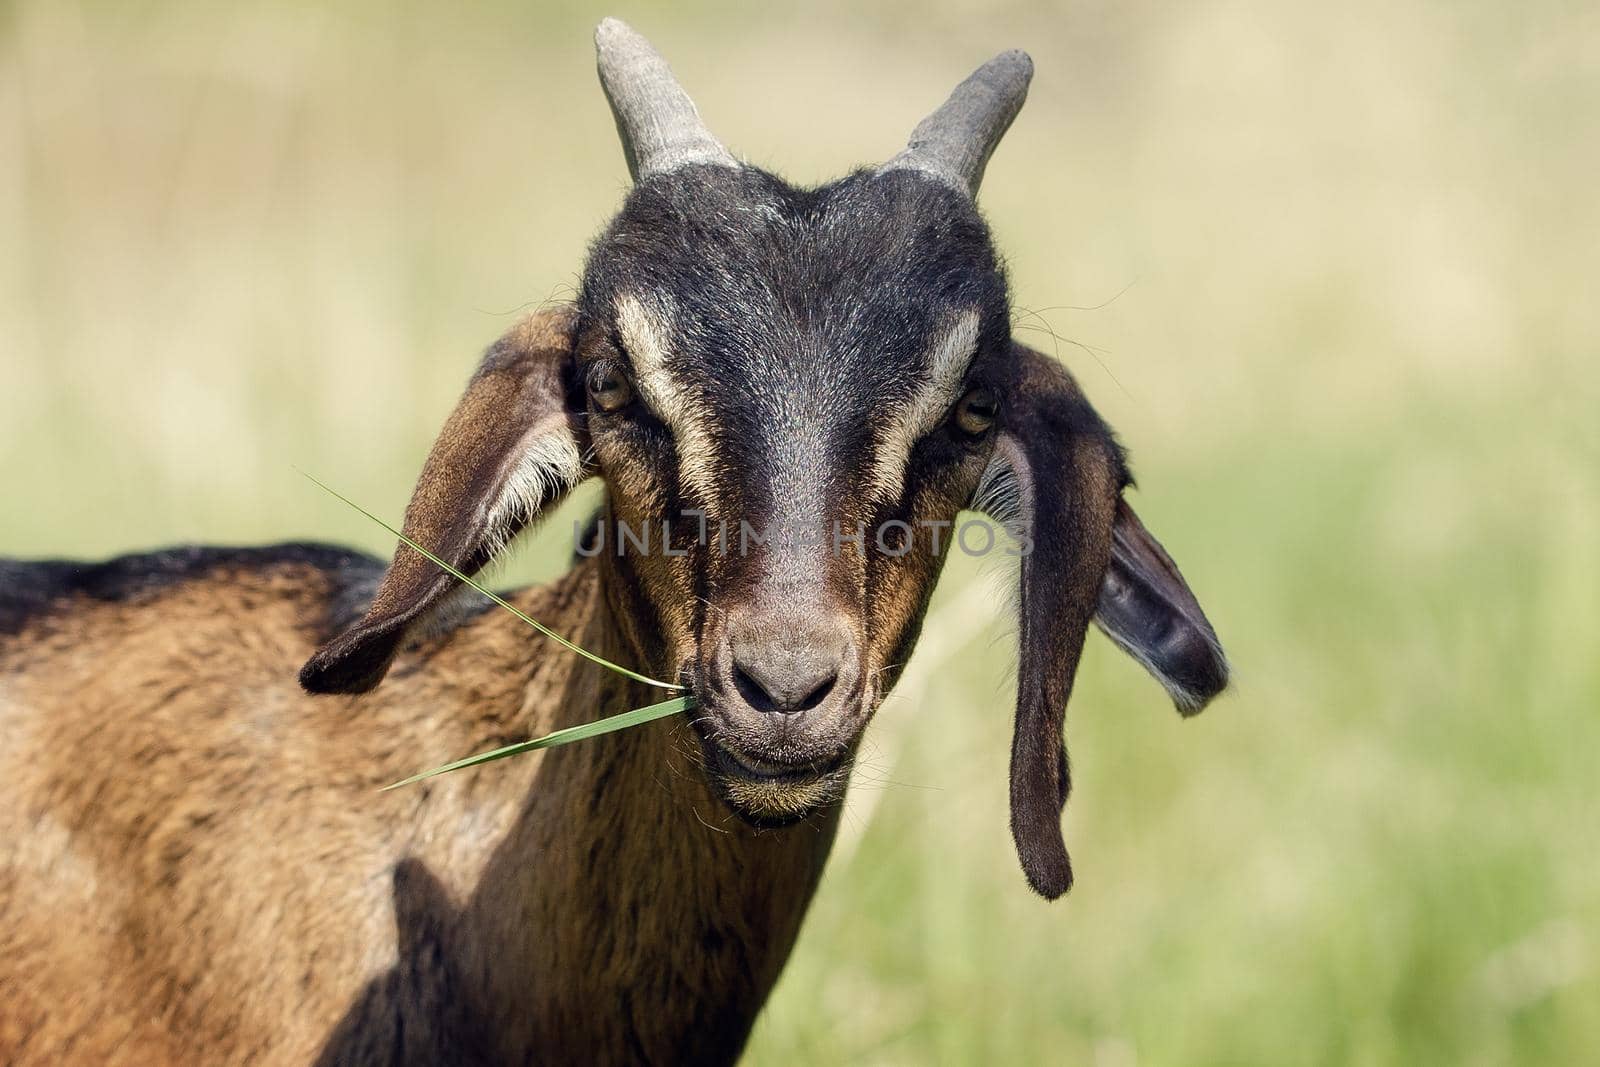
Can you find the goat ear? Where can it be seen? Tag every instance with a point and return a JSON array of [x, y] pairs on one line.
[[1056, 478], [1149, 611], [513, 446]]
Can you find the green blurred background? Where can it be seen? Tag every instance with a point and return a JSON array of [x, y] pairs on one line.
[[1330, 269]]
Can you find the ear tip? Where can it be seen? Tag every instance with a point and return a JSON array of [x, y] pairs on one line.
[[1045, 862], [1189, 705], [1051, 880], [1207, 679], [347, 666], [326, 679]]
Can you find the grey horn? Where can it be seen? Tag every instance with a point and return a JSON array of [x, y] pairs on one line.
[[954, 144], [659, 126]]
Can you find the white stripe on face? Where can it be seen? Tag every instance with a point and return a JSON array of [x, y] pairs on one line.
[[645, 336], [948, 361]]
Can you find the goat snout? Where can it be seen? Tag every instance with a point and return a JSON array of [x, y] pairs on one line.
[[784, 706], [784, 687], [787, 663], [792, 674]]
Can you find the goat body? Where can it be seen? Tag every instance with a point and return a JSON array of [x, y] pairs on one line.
[[195, 865]]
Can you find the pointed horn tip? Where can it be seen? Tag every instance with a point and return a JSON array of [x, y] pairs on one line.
[[610, 29], [613, 37], [1010, 72], [1016, 62]]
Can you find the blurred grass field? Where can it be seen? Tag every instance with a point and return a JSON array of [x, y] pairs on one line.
[[1331, 271]]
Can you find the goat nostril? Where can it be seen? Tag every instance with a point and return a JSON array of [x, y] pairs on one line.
[[819, 694], [785, 693], [752, 692]]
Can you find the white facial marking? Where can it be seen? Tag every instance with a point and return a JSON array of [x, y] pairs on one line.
[[947, 364], [645, 336]]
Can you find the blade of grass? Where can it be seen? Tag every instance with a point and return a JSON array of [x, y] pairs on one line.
[[442, 565], [582, 732]]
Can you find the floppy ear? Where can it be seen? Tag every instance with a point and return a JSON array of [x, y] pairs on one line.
[[1148, 610], [513, 446], [1057, 476]]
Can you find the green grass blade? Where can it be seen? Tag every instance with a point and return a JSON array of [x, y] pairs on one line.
[[582, 732], [442, 565]]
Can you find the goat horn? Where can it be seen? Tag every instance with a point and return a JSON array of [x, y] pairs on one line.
[[659, 126], [954, 144]]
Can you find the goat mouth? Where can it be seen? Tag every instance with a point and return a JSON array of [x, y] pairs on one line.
[[768, 794]]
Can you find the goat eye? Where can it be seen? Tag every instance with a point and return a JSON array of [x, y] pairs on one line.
[[976, 411], [610, 390]]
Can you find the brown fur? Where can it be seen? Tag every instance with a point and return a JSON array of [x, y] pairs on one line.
[[198, 868]]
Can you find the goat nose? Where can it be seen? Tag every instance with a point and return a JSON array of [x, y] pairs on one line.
[[790, 675]]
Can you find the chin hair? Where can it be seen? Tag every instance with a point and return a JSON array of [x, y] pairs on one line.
[[773, 804]]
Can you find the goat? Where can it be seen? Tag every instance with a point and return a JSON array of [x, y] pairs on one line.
[[196, 865]]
